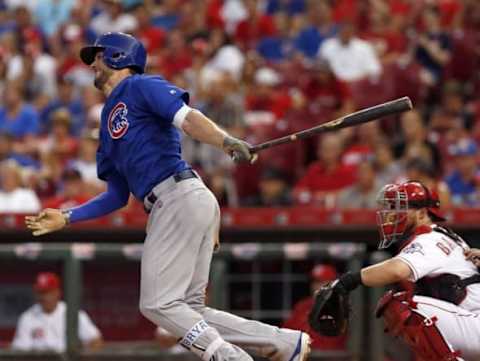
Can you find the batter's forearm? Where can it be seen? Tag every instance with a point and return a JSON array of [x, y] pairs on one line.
[[201, 128], [385, 273], [114, 198]]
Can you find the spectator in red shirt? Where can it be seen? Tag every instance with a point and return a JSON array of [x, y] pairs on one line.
[[451, 13], [257, 25], [177, 55], [346, 10], [298, 319], [72, 193], [25, 28], [266, 95], [152, 37], [387, 35], [328, 96], [327, 176]]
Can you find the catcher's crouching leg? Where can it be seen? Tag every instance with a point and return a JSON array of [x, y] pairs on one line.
[[421, 334]]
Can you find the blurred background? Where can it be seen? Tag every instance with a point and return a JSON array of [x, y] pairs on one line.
[[260, 69]]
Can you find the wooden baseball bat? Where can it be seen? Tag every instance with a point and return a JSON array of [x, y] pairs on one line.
[[362, 116]]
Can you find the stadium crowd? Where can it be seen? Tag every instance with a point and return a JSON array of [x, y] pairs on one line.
[[261, 69]]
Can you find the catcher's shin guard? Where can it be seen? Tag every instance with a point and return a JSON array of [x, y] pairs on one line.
[[421, 334]]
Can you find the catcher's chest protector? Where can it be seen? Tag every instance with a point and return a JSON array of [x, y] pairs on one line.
[[419, 332]]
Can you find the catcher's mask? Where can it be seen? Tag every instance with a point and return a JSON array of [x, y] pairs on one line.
[[395, 200]]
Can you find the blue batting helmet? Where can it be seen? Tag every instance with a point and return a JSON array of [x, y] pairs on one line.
[[120, 51]]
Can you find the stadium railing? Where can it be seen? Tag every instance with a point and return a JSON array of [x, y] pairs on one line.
[[73, 255]]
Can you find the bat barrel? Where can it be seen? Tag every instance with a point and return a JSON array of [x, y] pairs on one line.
[[362, 116]]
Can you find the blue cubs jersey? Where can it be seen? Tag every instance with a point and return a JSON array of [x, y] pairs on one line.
[[138, 140]]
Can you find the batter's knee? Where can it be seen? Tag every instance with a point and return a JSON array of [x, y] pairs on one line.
[[196, 303], [147, 312], [157, 313]]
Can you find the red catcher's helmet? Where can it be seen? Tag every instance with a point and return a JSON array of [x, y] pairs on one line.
[[395, 200]]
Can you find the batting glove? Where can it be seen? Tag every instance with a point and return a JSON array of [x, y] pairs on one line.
[[239, 150]]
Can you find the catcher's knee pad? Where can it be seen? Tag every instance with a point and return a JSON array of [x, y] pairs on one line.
[[421, 334]]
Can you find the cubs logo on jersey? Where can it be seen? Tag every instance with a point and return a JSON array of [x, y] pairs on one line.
[[117, 121]]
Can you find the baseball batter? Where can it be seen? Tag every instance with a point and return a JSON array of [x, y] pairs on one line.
[[139, 153], [441, 320]]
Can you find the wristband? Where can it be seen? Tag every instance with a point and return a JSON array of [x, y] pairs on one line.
[[67, 213], [351, 280]]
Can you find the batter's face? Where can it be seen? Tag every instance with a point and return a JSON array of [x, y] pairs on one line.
[[102, 72]]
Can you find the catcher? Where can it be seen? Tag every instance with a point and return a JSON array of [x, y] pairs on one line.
[[440, 319]]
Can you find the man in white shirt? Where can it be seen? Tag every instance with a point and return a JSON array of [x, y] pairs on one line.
[[42, 326], [14, 198], [349, 57], [113, 18]]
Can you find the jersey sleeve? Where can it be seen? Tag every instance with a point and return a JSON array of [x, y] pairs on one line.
[[87, 331], [104, 165], [162, 98], [22, 339], [423, 257]]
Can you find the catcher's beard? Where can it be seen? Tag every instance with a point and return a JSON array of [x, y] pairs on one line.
[[409, 230]]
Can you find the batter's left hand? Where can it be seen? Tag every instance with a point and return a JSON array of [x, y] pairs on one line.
[[239, 150], [47, 221]]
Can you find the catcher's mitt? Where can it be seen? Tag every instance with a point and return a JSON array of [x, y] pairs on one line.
[[331, 310]]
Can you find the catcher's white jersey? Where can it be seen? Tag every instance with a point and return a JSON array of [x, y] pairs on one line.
[[433, 254]]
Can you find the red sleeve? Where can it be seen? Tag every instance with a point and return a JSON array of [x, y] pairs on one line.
[[281, 104], [250, 102], [214, 17], [157, 39], [348, 175], [304, 182], [267, 26], [241, 32], [448, 11]]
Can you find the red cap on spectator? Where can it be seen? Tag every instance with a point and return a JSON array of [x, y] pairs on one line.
[[46, 281], [324, 272]]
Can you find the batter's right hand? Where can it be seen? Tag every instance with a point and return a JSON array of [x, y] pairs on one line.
[[48, 220], [473, 254], [239, 150]]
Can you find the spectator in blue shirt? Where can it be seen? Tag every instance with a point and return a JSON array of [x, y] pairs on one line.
[[50, 14], [464, 180], [16, 117], [66, 99], [280, 46], [434, 46], [292, 7], [7, 153], [319, 28]]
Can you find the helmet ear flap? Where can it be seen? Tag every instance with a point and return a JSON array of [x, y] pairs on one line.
[[113, 57]]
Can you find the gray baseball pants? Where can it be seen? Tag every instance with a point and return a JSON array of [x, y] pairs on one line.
[[181, 230]]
